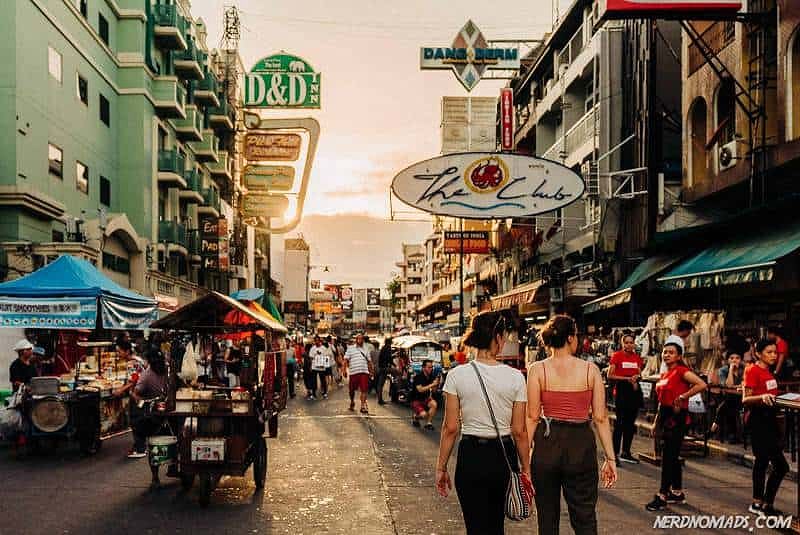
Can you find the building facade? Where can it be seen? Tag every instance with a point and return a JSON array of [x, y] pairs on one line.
[[123, 145], [408, 298]]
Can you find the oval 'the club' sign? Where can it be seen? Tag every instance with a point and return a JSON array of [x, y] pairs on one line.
[[480, 185]]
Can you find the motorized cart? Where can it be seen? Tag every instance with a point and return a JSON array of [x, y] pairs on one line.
[[219, 430]]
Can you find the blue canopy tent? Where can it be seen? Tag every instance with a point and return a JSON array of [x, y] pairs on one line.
[[68, 294]]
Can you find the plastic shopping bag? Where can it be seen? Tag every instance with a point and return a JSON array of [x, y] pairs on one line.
[[189, 366]]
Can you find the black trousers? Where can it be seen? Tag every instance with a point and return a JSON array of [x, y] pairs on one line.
[[322, 377], [290, 378], [673, 428], [627, 403], [565, 461], [481, 481], [767, 440]]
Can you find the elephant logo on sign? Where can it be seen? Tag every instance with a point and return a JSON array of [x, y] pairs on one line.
[[297, 66]]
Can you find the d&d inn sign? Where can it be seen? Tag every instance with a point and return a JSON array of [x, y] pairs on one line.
[[282, 81], [469, 56], [488, 185]]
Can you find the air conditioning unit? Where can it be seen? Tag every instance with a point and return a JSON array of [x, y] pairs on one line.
[[727, 157], [556, 295]]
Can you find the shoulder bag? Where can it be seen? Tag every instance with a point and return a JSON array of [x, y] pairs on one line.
[[518, 496]]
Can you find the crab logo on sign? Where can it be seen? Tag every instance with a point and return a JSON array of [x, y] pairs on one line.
[[469, 57]]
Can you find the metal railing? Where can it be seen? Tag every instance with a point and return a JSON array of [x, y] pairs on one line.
[[573, 49], [208, 83], [581, 132], [172, 232], [211, 198], [193, 181], [171, 161], [168, 15]]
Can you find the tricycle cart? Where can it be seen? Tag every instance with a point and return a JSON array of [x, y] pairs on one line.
[[220, 429]]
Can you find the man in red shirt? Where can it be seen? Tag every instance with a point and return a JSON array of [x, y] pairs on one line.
[[782, 346], [625, 370]]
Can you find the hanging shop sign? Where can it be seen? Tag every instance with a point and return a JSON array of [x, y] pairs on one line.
[[223, 245], [475, 242], [295, 307], [507, 118], [476, 185], [264, 205], [469, 57], [282, 81], [469, 124], [346, 294], [262, 146], [680, 9], [333, 289], [314, 284], [209, 242], [78, 313], [373, 298], [269, 177]]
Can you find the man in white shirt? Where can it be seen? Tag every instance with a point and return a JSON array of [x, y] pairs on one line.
[[679, 336], [358, 367], [321, 359]]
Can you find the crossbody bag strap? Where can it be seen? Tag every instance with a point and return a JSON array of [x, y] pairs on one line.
[[491, 413]]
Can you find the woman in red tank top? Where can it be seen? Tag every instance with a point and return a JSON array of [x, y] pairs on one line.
[[563, 391], [674, 389]]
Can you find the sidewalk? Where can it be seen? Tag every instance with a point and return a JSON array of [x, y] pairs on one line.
[[735, 453]]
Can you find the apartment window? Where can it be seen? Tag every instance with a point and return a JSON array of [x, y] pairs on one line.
[[105, 191], [55, 160], [105, 110], [81, 177], [102, 27], [83, 90], [54, 63], [116, 263], [58, 236], [83, 5]]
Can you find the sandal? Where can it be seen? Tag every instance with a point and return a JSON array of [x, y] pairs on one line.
[[352, 407], [364, 410]]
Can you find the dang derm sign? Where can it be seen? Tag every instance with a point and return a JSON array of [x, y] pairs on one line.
[[487, 185]]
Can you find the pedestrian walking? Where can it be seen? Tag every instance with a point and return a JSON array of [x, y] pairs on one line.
[[625, 371], [673, 389], [321, 359], [492, 424], [384, 367], [761, 418], [291, 366], [358, 367], [309, 378], [562, 391]]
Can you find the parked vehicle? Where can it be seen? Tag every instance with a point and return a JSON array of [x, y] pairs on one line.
[[409, 352]]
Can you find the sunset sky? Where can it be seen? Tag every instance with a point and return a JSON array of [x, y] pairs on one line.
[[379, 114]]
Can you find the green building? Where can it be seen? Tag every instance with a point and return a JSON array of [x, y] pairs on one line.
[[122, 142]]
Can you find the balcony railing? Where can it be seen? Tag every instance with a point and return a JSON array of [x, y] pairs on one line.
[[576, 136], [171, 161], [717, 36], [570, 52], [211, 198], [172, 232], [168, 15], [193, 242]]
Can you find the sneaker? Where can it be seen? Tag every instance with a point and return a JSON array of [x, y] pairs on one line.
[[429, 427], [769, 510], [414, 422], [756, 508], [657, 504], [628, 458], [324, 396], [133, 454], [676, 498]]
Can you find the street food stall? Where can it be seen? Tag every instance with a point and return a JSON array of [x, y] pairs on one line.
[[68, 303], [219, 430]]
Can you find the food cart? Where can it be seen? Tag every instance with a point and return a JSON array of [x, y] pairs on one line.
[[220, 430], [71, 299]]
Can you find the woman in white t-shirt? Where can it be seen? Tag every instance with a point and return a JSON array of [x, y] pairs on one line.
[[482, 472]]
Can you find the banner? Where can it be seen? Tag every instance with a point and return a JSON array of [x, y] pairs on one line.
[[373, 299], [71, 313], [475, 242], [346, 296], [295, 307], [360, 299], [333, 289], [209, 242]]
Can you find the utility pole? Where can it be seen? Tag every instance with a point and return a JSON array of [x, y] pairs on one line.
[[461, 278]]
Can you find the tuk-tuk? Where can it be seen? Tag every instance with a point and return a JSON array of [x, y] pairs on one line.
[[408, 354]]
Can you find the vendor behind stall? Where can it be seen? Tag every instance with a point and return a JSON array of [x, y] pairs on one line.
[[152, 384], [135, 366], [45, 364], [22, 370]]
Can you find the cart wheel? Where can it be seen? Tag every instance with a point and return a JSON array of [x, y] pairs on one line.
[[260, 463], [205, 488], [187, 480]]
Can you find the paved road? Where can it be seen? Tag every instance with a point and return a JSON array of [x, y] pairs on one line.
[[330, 471]]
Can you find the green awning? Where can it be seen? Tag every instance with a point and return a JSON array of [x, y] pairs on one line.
[[740, 260], [647, 268]]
